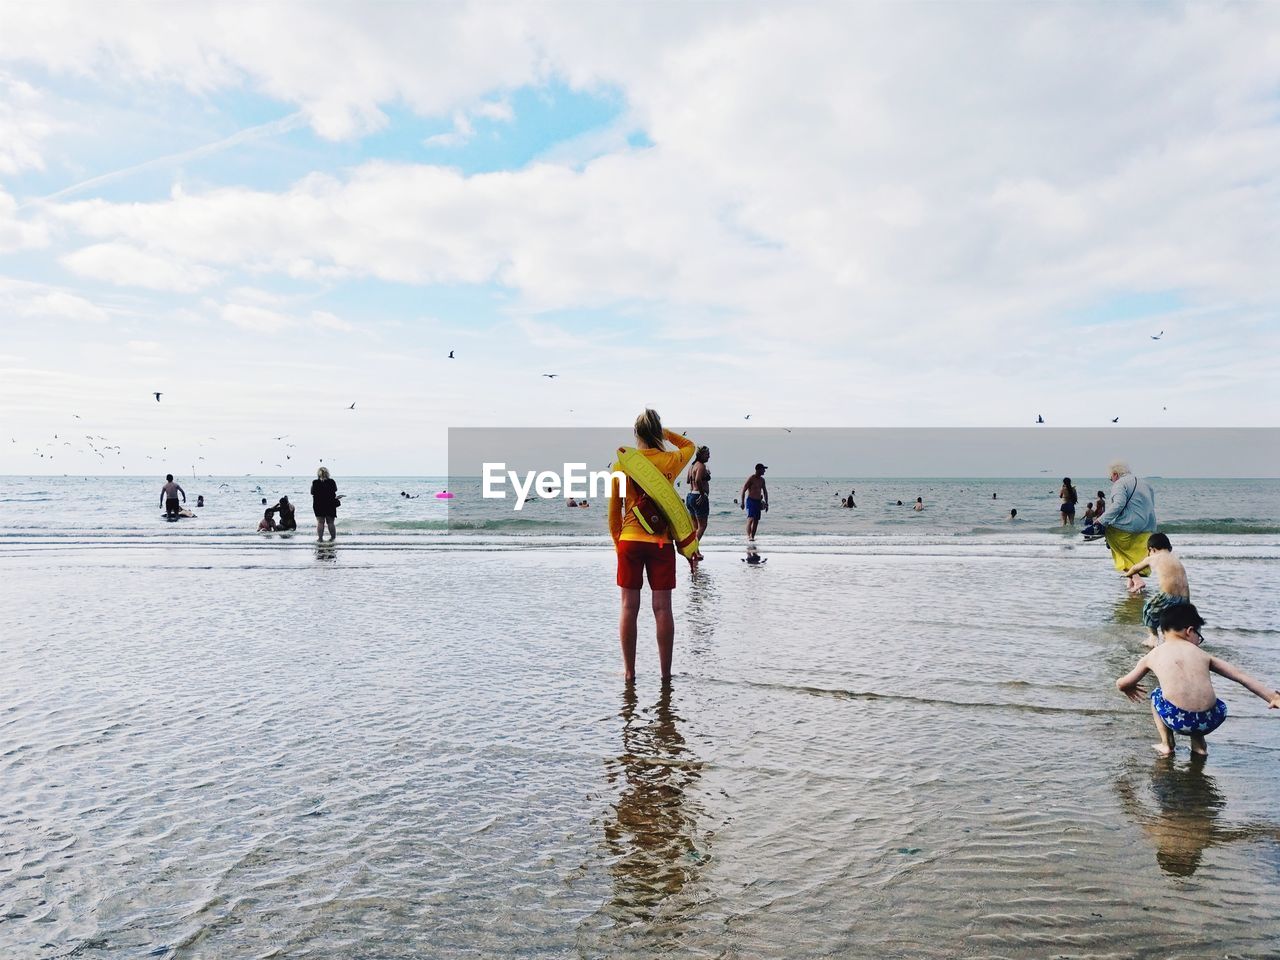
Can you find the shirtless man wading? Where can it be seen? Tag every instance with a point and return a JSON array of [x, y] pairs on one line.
[[755, 499], [169, 496]]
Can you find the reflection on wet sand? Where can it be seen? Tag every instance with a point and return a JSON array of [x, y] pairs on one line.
[[701, 613], [652, 834], [326, 552], [1128, 608], [1183, 824]]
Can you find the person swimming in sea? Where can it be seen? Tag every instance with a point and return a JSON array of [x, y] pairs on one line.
[[919, 504], [1185, 702], [1172, 576], [1013, 513]]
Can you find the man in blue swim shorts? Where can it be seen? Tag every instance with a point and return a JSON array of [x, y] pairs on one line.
[[1185, 702], [755, 499]]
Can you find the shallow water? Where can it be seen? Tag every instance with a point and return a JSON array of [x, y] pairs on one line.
[[270, 749]]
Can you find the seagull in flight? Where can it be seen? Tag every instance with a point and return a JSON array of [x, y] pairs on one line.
[[451, 356], [352, 407], [157, 398], [1039, 419], [784, 428], [747, 417], [551, 376], [1161, 334], [1115, 419]]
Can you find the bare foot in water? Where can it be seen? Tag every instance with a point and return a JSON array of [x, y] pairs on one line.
[[1163, 750]]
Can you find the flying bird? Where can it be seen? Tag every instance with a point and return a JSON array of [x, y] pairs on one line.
[[1115, 419], [1039, 419], [1161, 334], [76, 415], [551, 376], [352, 407], [747, 417], [157, 398], [451, 355], [784, 428]]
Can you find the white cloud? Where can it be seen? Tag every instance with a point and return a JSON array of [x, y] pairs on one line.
[[23, 125], [17, 233], [60, 305], [127, 265], [257, 319]]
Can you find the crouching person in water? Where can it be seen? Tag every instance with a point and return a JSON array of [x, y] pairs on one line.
[[1185, 701]]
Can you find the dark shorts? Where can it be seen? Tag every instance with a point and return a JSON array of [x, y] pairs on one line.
[[171, 505], [753, 508], [1069, 509], [637, 557], [325, 513], [698, 505]]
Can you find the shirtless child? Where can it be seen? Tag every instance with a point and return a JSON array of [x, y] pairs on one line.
[[1185, 702], [1173, 583]]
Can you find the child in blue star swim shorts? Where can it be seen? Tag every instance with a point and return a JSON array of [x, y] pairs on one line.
[[1185, 702]]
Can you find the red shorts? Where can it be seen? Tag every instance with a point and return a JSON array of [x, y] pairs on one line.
[[637, 556]]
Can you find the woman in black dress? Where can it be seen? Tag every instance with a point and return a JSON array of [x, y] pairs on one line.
[[324, 502]]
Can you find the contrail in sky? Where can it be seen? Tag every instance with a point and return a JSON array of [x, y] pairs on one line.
[[292, 122]]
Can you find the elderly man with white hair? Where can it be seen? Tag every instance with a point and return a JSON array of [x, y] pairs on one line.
[[1129, 520]]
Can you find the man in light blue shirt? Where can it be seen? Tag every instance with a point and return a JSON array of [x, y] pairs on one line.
[[1129, 520]]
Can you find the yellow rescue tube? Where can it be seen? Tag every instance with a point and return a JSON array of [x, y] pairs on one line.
[[649, 478]]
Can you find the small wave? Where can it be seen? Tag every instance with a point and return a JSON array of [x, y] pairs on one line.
[[1221, 525], [504, 523]]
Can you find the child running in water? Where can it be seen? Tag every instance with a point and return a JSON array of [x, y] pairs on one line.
[[1173, 583], [1185, 701]]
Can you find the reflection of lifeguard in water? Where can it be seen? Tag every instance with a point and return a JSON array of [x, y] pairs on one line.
[[653, 833]]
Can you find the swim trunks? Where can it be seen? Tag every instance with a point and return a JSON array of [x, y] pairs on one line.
[[1156, 605], [171, 506], [1069, 509], [636, 557], [1188, 721], [753, 508], [698, 505]]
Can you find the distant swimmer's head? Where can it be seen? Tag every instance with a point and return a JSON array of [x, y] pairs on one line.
[[649, 429], [704, 454], [1117, 469], [1013, 514], [168, 478], [899, 503], [1184, 620], [323, 473], [284, 500], [1066, 481], [1159, 541], [919, 499]]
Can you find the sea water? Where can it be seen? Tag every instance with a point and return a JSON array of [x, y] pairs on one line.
[[897, 737]]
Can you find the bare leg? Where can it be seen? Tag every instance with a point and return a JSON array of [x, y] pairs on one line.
[[627, 631], [333, 535], [666, 622], [1166, 745], [319, 528], [1198, 747]]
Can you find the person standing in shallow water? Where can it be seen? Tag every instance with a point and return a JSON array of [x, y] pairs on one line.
[[755, 499], [1069, 498], [698, 499], [1129, 521], [324, 502], [641, 553]]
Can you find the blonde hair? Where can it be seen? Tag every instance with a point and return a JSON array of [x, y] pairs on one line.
[[1118, 467], [323, 473], [649, 429]]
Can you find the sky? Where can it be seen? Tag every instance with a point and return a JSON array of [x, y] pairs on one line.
[[811, 214]]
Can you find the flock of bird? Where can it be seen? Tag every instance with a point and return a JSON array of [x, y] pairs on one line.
[[101, 452], [1154, 336]]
